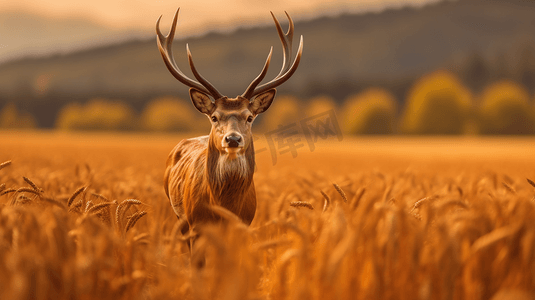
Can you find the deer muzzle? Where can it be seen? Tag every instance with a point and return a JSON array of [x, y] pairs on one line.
[[233, 141]]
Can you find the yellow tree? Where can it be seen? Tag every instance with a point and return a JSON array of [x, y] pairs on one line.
[[437, 104], [10, 117], [505, 109], [372, 111]]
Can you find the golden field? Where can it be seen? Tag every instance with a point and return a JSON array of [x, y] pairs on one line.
[[420, 218]]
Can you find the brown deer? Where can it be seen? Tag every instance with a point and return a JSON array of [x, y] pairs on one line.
[[218, 169]]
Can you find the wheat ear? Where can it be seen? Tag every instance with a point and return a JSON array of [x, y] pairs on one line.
[[5, 164], [99, 207], [76, 193], [302, 204], [7, 191], [32, 184], [100, 197], [121, 210], [509, 188], [133, 219], [340, 191], [327, 201], [29, 190]]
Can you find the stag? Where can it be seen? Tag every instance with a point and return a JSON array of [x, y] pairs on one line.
[[217, 169]]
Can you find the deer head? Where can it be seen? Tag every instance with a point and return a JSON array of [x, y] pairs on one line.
[[231, 118]]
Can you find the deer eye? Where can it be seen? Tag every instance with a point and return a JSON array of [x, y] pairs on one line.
[[250, 119], [214, 119]]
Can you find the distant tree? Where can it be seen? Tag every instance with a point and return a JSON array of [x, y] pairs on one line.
[[284, 110], [372, 111], [97, 114], [437, 104], [70, 117], [11, 118], [505, 109], [169, 114], [319, 104]]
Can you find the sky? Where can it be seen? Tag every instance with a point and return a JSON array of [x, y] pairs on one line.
[[41, 27], [128, 14]]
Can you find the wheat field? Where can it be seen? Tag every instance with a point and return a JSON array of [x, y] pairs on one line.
[[84, 216]]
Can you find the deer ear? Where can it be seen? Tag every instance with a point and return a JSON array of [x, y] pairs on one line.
[[262, 102], [202, 101]]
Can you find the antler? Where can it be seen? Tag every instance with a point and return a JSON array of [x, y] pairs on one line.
[[286, 71], [164, 44]]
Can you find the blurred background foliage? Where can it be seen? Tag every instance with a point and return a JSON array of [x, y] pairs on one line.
[[506, 109], [285, 110], [437, 104], [97, 114], [319, 104], [383, 73], [11, 118], [168, 114], [374, 111]]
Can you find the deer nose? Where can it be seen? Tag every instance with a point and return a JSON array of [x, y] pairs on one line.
[[233, 141]]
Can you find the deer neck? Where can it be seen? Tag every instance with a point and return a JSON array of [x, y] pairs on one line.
[[229, 179]]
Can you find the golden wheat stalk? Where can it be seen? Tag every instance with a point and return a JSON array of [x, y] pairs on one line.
[[121, 210], [225, 213], [13, 201], [419, 203], [32, 184], [104, 215], [7, 191], [101, 197], [327, 201], [76, 207], [5, 164], [281, 202], [29, 190], [99, 207], [460, 190], [340, 191], [417, 216], [499, 234], [302, 204], [140, 237], [176, 233], [215, 239], [76, 193], [88, 205], [337, 255], [449, 203], [509, 188], [53, 201], [386, 195], [272, 244], [284, 263], [133, 220], [355, 203], [23, 199], [2, 187]]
